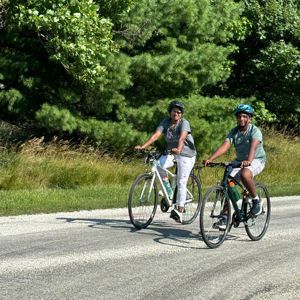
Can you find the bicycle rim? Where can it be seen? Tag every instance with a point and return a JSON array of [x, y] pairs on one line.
[[193, 201], [256, 227], [211, 209], [142, 202]]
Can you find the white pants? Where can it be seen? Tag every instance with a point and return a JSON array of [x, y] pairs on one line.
[[184, 168]]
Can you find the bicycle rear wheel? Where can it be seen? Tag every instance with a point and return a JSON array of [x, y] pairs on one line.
[[212, 209], [256, 227], [142, 202], [193, 201]]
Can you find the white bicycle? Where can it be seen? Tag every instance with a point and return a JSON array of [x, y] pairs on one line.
[[144, 192]]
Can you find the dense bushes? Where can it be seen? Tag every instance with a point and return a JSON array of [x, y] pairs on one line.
[[106, 70]]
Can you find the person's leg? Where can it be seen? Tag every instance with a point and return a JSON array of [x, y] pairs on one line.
[[166, 161], [184, 168], [247, 179], [247, 176]]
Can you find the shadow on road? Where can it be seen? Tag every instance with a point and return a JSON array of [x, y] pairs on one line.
[[163, 232]]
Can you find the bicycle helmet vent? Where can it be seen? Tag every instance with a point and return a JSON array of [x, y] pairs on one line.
[[244, 108]]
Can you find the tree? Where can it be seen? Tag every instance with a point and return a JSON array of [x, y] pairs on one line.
[[268, 61], [60, 52], [81, 67], [176, 47]]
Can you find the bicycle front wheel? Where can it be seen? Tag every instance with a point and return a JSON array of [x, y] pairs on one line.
[[193, 199], [142, 202], [214, 206], [256, 227]]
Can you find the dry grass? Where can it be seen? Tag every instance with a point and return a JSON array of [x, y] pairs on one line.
[[60, 164], [39, 176]]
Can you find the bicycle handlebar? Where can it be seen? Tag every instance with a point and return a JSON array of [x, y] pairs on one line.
[[224, 164], [150, 155]]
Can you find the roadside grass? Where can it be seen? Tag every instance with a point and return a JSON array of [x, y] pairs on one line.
[[59, 164], [16, 202], [40, 177]]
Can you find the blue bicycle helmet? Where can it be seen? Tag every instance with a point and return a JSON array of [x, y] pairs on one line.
[[244, 108], [177, 104]]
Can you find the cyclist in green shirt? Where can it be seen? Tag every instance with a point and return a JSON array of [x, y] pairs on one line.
[[248, 142]]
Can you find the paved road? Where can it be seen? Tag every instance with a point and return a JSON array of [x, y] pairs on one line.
[[98, 255]]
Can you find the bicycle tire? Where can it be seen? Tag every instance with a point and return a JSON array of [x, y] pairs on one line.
[[194, 199], [211, 209], [142, 202], [257, 227]]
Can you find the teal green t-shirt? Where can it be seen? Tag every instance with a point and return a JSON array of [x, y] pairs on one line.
[[242, 141]]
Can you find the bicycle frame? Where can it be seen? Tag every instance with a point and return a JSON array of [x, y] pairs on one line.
[[240, 212], [156, 174]]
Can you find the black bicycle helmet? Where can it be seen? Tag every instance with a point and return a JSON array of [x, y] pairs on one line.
[[177, 104], [244, 108]]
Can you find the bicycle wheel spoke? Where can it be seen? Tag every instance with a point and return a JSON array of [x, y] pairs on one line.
[[142, 201], [211, 210], [256, 227], [193, 200]]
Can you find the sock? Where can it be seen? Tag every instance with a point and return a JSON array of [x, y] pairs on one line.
[[255, 198]]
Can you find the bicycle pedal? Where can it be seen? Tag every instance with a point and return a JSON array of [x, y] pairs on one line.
[[236, 224]]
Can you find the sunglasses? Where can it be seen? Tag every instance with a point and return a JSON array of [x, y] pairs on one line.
[[178, 112]]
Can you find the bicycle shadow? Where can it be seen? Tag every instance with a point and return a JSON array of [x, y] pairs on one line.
[[163, 232], [98, 223]]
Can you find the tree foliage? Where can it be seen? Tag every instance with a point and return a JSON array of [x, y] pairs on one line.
[[268, 62], [176, 47], [62, 51], [106, 69]]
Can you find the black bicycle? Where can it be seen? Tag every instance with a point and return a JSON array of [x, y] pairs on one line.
[[217, 203]]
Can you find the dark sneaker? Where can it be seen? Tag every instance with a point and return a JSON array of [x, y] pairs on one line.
[[176, 215], [256, 208], [222, 222]]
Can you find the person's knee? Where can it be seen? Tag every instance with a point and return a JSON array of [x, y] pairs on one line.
[[246, 174]]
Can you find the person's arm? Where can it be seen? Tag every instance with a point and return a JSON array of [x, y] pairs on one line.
[[253, 147], [182, 138], [220, 151], [155, 136]]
